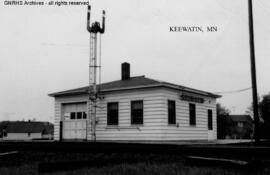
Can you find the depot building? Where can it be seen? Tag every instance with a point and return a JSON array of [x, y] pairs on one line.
[[137, 109]]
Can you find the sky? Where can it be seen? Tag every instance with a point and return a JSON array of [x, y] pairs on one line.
[[45, 49]]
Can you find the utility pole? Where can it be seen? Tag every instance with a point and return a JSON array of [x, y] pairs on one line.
[[94, 29], [253, 73]]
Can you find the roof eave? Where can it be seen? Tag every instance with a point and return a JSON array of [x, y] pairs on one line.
[[193, 91], [59, 94]]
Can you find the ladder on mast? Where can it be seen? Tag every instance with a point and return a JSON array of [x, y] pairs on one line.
[[95, 31]]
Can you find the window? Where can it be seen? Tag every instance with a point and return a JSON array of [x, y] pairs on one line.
[[192, 114], [171, 112], [210, 119], [84, 115], [137, 112], [74, 111], [73, 115], [112, 113], [79, 115]]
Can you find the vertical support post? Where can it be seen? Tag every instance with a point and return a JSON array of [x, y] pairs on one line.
[[95, 88], [253, 73]]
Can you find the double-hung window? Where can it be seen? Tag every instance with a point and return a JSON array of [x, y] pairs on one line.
[[192, 114], [171, 112], [112, 113], [137, 112], [210, 119]]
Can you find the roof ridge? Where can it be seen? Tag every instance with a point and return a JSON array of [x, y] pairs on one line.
[[160, 81], [117, 80], [140, 76]]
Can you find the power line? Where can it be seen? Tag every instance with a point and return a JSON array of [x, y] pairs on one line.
[[233, 91]]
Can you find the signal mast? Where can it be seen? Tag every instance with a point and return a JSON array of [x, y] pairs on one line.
[[94, 29]]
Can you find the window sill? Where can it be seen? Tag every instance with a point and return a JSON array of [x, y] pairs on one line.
[[112, 126], [123, 127], [136, 125], [173, 125]]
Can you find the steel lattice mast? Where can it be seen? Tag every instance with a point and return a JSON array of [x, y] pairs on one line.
[[94, 29]]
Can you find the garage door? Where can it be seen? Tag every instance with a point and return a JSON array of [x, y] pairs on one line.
[[74, 121]]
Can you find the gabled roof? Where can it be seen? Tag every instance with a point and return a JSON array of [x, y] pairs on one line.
[[26, 127], [241, 118], [139, 82]]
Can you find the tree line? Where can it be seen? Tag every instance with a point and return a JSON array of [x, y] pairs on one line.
[[224, 123]]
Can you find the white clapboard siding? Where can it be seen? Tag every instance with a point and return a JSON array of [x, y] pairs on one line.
[[155, 125], [185, 131], [153, 104]]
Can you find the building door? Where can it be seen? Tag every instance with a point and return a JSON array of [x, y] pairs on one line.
[[74, 121], [210, 124]]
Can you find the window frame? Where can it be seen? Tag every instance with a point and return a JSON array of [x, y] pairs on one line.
[[171, 119], [75, 116], [192, 114], [108, 117], [210, 124], [132, 112], [84, 115], [79, 114]]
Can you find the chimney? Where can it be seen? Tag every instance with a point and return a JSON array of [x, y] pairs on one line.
[[125, 71]]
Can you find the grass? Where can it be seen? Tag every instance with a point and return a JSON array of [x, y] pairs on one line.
[[158, 169], [27, 163]]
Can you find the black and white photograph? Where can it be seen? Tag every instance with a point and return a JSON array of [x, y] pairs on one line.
[[134, 87]]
